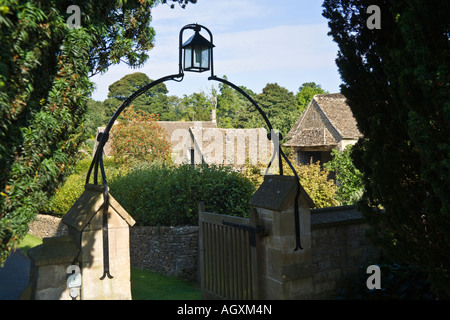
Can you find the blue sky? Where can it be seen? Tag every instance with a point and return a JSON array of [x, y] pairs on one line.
[[257, 42]]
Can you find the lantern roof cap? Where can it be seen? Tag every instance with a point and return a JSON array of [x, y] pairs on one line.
[[198, 40]]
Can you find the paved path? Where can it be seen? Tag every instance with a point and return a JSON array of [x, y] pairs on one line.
[[14, 276]]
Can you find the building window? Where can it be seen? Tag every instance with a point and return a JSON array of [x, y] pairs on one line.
[[191, 153]]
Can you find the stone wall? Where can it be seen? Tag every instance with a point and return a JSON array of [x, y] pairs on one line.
[[172, 251], [45, 226], [334, 248], [338, 247]]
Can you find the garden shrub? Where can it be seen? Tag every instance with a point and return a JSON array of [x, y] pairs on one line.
[[73, 187], [161, 194], [348, 177], [313, 178]]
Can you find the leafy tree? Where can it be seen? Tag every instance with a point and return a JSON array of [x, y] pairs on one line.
[[175, 109], [246, 116], [95, 117], [305, 94], [139, 139], [348, 178], [44, 85], [196, 107], [279, 105], [396, 80], [153, 100], [227, 105]]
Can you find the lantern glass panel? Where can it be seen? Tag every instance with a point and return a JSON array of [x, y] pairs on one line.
[[196, 58], [187, 58], [201, 57], [205, 58]]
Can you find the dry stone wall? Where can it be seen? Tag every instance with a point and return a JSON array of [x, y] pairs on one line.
[[171, 251]]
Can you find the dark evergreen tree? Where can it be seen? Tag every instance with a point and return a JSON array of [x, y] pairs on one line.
[[396, 79], [279, 105]]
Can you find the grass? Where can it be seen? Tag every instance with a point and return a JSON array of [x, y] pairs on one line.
[[145, 285], [28, 242]]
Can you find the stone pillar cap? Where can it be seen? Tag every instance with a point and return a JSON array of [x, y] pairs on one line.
[[277, 193]]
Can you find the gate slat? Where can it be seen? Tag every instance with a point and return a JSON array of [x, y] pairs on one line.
[[227, 260]]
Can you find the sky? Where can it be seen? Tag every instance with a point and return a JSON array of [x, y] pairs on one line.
[[256, 43]]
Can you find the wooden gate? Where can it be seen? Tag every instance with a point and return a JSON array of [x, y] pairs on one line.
[[228, 257]]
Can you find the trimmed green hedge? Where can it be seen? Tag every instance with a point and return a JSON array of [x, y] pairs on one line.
[[163, 194], [168, 195]]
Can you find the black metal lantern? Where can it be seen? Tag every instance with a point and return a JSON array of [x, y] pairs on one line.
[[197, 51]]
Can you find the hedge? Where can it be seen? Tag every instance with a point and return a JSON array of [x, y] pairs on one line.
[[169, 195], [160, 194]]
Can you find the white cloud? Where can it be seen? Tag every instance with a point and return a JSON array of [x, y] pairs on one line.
[[256, 43], [282, 47]]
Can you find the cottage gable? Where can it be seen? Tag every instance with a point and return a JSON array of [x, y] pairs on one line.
[[326, 124], [339, 114], [313, 129]]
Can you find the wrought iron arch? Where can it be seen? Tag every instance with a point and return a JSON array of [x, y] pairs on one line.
[[97, 161]]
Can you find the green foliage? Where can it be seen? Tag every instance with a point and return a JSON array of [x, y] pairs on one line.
[[73, 187], [234, 110], [279, 105], [196, 107], [95, 117], [138, 139], [348, 178], [168, 195], [44, 86], [305, 94], [396, 81], [398, 282], [313, 178], [153, 100]]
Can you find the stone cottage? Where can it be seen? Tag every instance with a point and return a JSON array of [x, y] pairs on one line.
[[194, 142], [327, 123], [229, 147], [170, 127]]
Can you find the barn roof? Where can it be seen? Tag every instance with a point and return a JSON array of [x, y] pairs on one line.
[[336, 112]]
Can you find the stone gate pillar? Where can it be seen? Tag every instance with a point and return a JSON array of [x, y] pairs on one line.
[[85, 247], [285, 273], [85, 223]]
